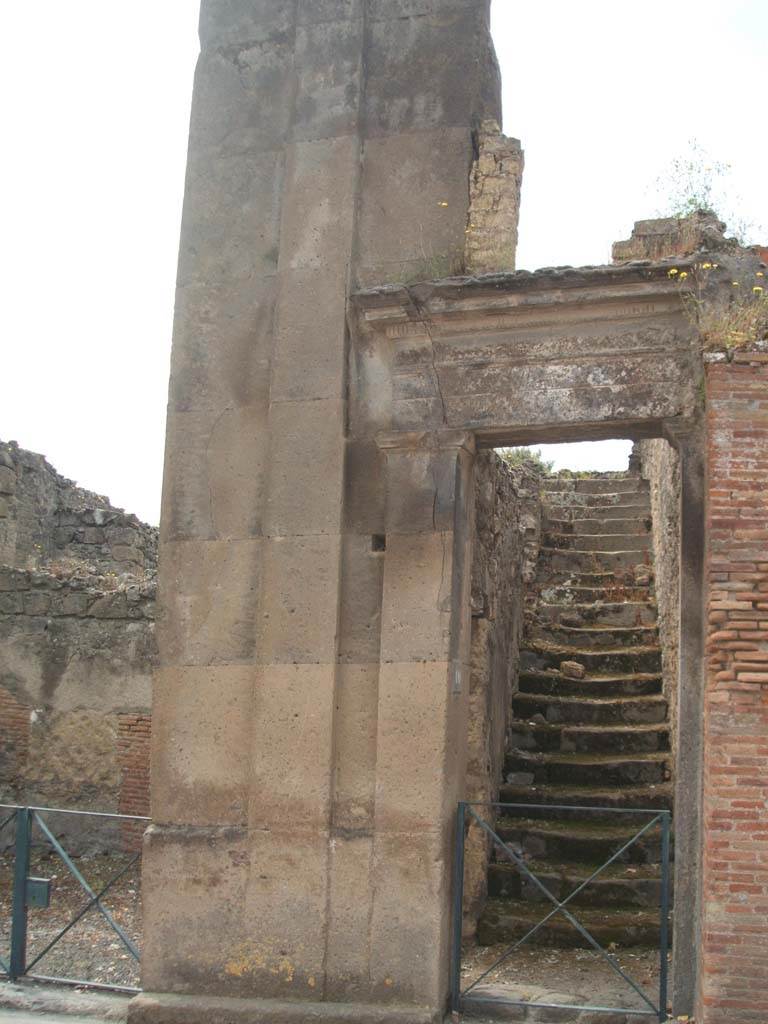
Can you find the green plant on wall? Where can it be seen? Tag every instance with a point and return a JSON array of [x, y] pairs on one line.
[[695, 181], [739, 321]]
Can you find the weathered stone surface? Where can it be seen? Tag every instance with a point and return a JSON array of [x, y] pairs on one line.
[[673, 236], [494, 202]]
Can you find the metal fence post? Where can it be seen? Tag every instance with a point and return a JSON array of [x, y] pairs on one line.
[[18, 960], [664, 923], [458, 907]]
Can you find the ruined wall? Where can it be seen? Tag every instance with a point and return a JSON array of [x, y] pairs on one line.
[[494, 202], [77, 648], [660, 465], [44, 517], [735, 884], [75, 657], [507, 532]]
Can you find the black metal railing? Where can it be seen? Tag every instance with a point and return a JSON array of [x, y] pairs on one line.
[[462, 998], [34, 833]]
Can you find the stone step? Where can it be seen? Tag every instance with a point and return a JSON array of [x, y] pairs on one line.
[[581, 560], [537, 655], [585, 738], [589, 769], [638, 888], [558, 709], [582, 589], [599, 613], [606, 685], [630, 797], [598, 541], [507, 921], [593, 637], [630, 526], [595, 506], [596, 485], [572, 843]]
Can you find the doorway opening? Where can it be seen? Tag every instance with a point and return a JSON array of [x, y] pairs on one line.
[[575, 639]]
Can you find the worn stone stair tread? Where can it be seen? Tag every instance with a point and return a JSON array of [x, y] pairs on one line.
[[551, 757], [640, 552], [606, 727], [597, 543], [571, 700], [629, 525], [637, 797], [565, 828], [592, 686], [579, 871], [597, 631], [506, 920], [541, 646]]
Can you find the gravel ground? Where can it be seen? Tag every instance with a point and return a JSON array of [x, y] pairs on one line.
[[90, 951]]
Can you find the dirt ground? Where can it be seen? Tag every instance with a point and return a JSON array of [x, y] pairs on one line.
[[91, 950]]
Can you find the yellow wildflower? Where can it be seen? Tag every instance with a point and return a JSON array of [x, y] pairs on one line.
[[759, 273], [672, 271], [757, 289], [684, 275]]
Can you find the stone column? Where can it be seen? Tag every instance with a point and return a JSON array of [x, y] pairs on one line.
[[294, 866]]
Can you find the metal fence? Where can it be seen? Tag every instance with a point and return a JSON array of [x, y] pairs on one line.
[[463, 999], [55, 903]]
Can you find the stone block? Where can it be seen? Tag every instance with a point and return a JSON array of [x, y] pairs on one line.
[[228, 22], [430, 71], [201, 735], [362, 573], [194, 888], [208, 594], [354, 757], [416, 602], [421, 490], [213, 487], [231, 223], [229, 117], [412, 747], [311, 12], [319, 204], [328, 65], [306, 465], [409, 947], [350, 892], [414, 205], [291, 746], [365, 488], [297, 620], [222, 346], [286, 907], [310, 339]]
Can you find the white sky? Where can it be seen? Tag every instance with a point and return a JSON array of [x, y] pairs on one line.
[[95, 103]]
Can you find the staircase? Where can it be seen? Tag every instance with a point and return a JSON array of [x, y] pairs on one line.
[[590, 724]]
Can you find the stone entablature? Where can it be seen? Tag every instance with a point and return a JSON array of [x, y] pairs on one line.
[[517, 356]]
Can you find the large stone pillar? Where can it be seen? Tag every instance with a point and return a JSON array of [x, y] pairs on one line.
[[296, 861]]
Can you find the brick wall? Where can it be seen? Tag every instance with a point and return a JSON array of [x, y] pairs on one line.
[[14, 742], [735, 898], [133, 739]]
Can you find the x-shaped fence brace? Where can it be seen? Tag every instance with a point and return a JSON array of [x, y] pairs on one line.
[[661, 817], [25, 818]]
